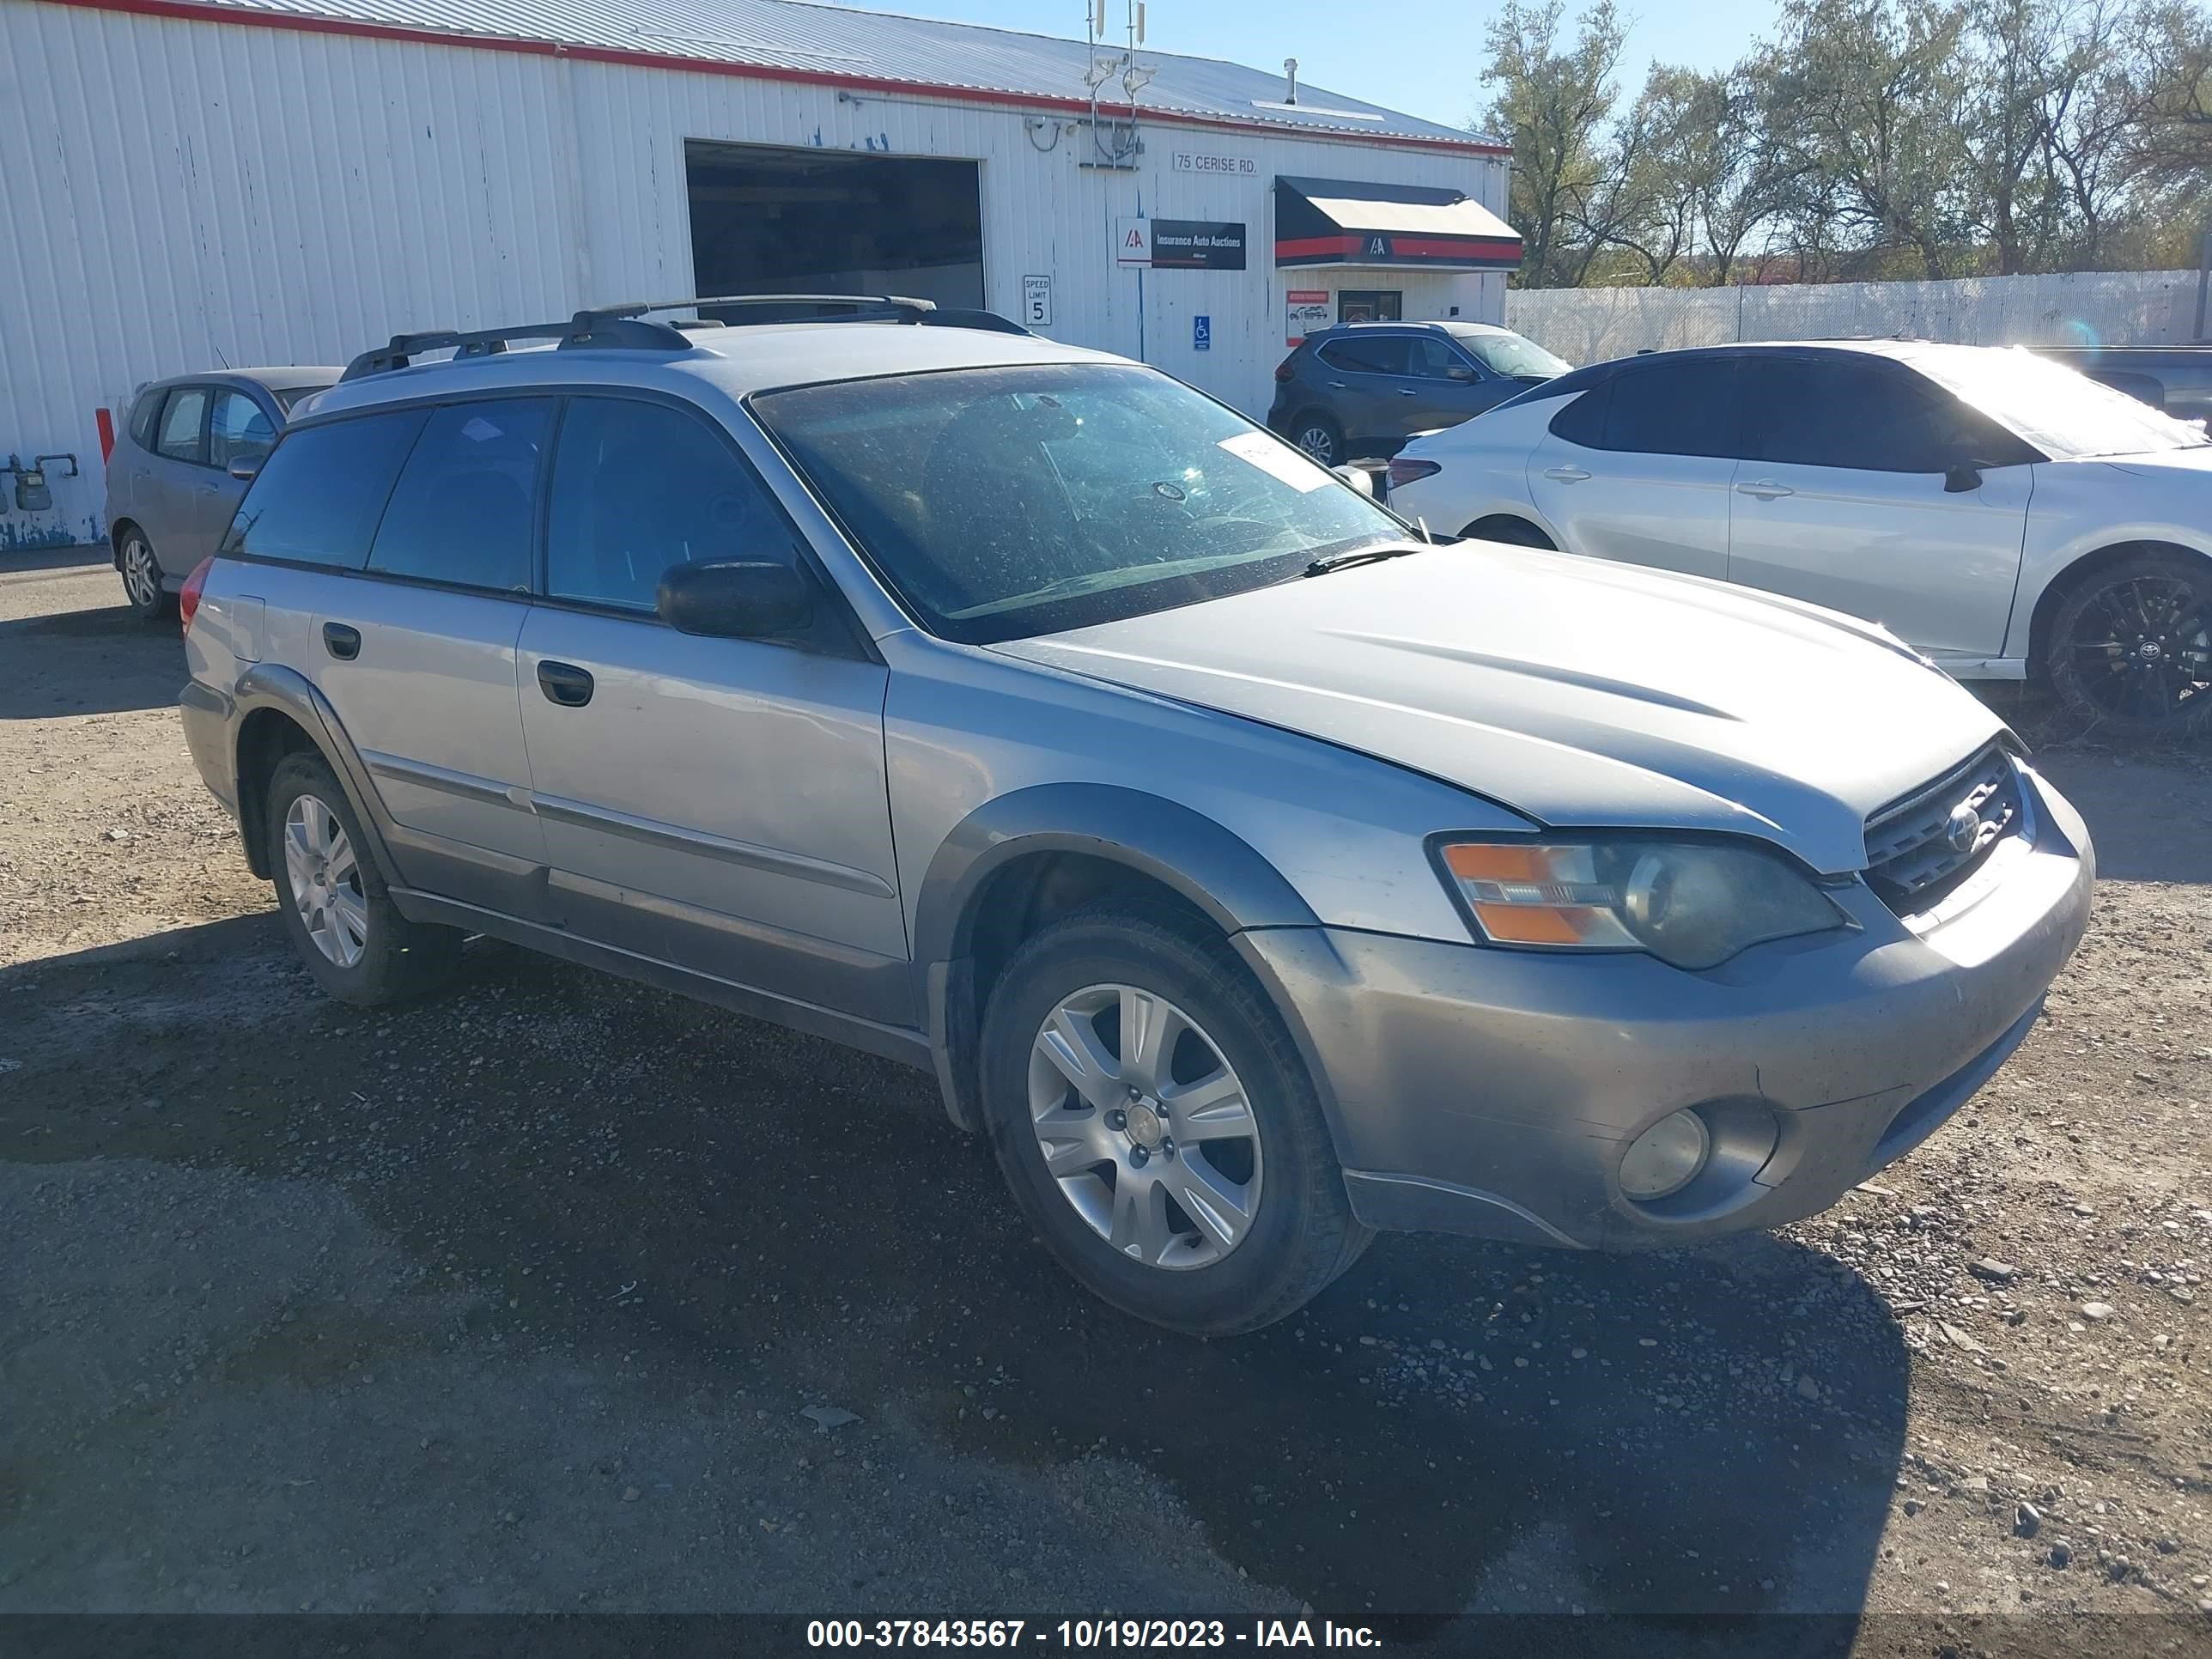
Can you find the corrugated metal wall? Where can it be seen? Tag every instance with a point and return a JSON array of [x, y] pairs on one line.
[[181, 195]]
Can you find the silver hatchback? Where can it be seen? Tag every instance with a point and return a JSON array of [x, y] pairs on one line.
[[1253, 873], [171, 490]]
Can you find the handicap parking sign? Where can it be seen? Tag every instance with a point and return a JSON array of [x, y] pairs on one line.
[[1201, 333]]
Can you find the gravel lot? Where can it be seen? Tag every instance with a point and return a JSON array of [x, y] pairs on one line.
[[520, 1299]]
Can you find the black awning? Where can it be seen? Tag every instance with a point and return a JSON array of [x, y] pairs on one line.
[[1334, 221]]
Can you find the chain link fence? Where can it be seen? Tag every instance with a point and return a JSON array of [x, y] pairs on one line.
[[2128, 307]]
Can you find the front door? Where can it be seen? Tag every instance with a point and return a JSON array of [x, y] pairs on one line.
[[1843, 501], [1443, 388], [719, 804], [1639, 469]]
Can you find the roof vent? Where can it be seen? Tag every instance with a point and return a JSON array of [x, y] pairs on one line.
[[1291, 75]]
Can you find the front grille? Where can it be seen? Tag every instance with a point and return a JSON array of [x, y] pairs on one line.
[[1912, 861]]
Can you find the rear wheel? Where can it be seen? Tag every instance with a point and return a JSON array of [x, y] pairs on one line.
[[2130, 646], [333, 898], [1158, 1128], [142, 577], [1518, 532], [1320, 437]]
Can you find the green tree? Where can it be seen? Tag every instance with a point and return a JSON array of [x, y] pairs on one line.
[[1552, 99]]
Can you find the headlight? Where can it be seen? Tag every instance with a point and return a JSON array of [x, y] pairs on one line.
[[1692, 903]]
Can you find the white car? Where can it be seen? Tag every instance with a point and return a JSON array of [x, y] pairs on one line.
[[2008, 517]]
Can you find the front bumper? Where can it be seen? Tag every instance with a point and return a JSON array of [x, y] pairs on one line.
[[1474, 1090]]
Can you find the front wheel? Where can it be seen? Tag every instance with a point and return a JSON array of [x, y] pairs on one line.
[[142, 577], [1158, 1127], [2130, 647]]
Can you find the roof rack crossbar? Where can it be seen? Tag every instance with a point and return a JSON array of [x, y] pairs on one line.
[[583, 330]]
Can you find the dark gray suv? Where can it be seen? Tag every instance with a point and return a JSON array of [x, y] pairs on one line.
[[1362, 389]]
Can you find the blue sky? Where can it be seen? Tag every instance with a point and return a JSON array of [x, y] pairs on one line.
[[1420, 55]]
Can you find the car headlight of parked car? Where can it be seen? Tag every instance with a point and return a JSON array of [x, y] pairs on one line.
[[1693, 903]]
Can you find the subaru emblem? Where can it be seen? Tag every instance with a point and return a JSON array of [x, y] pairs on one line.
[[1963, 828]]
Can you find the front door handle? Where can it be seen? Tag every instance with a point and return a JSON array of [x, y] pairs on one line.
[[342, 641], [1408, 392], [1336, 386], [565, 684], [1566, 474], [1766, 489]]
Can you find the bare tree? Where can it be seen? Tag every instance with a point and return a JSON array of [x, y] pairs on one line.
[[1552, 98]]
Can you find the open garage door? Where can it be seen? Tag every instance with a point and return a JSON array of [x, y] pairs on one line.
[[767, 221]]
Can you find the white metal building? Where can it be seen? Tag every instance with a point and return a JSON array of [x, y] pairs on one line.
[[191, 183]]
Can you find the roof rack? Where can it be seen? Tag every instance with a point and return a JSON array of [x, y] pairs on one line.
[[623, 327]]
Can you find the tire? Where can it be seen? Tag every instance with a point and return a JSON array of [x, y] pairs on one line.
[[1515, 532], [339, 916], [2129, 647], [1320, 437], [142, 577], [1099, 1209]]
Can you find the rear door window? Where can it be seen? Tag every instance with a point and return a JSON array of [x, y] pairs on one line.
[[639, 488], [1674, 409], [1373, 353], [182, 436], [318, 500], [464, 510], [239, 430]]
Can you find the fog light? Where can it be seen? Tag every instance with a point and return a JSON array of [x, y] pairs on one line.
[[1665, 1157]]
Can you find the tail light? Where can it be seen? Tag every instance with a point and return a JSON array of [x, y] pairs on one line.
[[1283, 370], [105, 421], [188, 596], [1404, 472]]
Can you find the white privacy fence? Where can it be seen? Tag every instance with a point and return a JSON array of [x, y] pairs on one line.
[[2129, 308]]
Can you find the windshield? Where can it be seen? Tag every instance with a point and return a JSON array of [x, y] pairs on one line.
[[1508, 354], [1000, 503], [2060, 411]]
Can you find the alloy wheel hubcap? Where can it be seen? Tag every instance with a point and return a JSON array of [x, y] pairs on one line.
[[325, 878], [1144, 1126], [138, 577], [1317, 443]]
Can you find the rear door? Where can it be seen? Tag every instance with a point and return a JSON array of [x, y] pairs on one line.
[[170, 505], [719, 804], [1363, 374], [400, 549], [1639, 469], [1843, 501]]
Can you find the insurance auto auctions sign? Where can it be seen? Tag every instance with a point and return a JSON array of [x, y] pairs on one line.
[[1180, 244]]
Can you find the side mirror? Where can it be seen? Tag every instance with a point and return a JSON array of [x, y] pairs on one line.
[[736, 599], [244, 471], [1361, 478], [1962, 475], [1460, 373]]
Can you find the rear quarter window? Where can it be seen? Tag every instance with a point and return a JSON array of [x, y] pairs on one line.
[[143, 414], [318, 498]]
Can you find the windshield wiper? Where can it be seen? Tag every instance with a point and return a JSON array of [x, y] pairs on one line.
[[1346, 561]]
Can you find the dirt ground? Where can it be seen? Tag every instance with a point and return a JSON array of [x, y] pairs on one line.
[[520, 1299]]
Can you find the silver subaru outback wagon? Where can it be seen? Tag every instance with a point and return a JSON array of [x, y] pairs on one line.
[[1252, 872]]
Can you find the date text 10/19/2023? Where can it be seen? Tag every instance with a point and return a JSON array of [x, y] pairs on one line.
[[1085, 1634]]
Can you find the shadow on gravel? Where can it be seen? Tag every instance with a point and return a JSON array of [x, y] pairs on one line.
[[2135, 805], [726, 1206], [91, 662]]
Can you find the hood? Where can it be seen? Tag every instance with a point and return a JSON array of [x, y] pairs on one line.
[[2160, 462], [1579, 693]]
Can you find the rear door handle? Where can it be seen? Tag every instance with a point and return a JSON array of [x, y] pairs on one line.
[[1764, 489], [1566, 474], [1336, 386], [342, 641], [565, 684], [1408, 392]]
